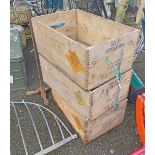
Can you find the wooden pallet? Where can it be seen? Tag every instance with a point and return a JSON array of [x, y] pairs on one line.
[[83, 46], [90, 130], [88, 104]]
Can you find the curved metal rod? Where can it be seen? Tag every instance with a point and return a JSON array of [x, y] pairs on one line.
[[46, 124], [31, 103], [34, 125], [59, 123], [53, 147], [21, 133], [59, 128]]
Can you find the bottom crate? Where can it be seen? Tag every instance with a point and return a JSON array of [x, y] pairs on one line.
[[90, 130]]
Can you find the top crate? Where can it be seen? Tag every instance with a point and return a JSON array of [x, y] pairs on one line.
[[88, 49]]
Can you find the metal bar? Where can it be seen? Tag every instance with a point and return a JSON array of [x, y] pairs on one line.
[[49, 112], [59, 127], [104, 9], [140, 43], [38, 138], [46, 124], [87, 6], [51, 148], [59, 123], [21, 133], [98, 7], [37, 57], [42, 90], [101, 8], [71, 4], [64, 125]]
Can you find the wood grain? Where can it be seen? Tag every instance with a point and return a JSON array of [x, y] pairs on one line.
[[93, 39], [88, 104], [90, 130]]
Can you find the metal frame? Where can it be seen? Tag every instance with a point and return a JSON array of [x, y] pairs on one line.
[[58, 121], [41, 88], [140, 44], [99, 3]]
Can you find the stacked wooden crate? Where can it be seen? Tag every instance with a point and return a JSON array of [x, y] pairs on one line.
[[88, 64]]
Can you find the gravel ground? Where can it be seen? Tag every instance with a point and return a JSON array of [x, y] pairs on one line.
[[122, 140]]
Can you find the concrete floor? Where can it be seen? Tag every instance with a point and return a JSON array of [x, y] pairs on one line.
[[122, 140]]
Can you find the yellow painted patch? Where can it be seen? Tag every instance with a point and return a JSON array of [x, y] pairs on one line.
[[74, 61], [79, 98]]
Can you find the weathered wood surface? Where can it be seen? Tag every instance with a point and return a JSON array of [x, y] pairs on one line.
[[87, 40], [67, 89], [99, 69], [90, 130], [54, 45], [94, 29], [88, 104]]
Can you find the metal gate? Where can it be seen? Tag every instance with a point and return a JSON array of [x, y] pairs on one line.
[[30, 123]]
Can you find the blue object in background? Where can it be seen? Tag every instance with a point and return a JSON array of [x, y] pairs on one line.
[[56, 3], [57, 24], [132, 6]]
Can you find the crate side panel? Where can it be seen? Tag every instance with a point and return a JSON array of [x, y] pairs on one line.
[[93, 29], [77, 98], [73, 117], [111, 51], [105, 123], [68, 17], [105, 96], [56, 47]]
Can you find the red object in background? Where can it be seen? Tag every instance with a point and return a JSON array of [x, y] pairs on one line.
[[140, 117], [140, 122], [139, 151]]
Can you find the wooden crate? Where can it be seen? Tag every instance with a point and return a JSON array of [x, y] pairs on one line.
[[83, 47], [88, 104], [90, 130]]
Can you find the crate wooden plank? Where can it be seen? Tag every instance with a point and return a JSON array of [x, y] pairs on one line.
[[55, 46], [74, 118], [94, 29], [89, 104], [120, 47], [81, 47], [104, 124], [68, 89], [104, 95], [90, 130]]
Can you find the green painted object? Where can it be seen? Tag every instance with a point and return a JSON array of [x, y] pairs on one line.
[[136, 88], [116, 106], [136, 81]]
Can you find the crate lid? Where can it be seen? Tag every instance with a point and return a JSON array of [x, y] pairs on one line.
[[16, 53]]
